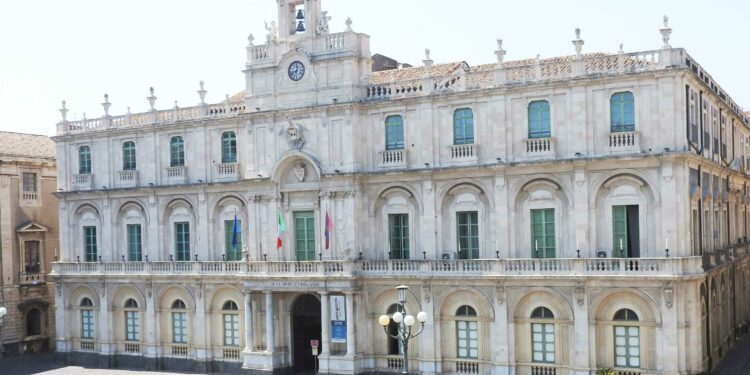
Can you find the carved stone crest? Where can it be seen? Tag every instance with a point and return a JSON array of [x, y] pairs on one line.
[[323, 23], [294, 136], [299, 171]]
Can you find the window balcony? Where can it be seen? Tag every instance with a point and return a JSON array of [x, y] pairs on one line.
[[227, 171], [29, 196], [393, 159], [540, 147], [127, 178], [624, 142], [83, 181], [463, 153], [176, 175], [32, 278]]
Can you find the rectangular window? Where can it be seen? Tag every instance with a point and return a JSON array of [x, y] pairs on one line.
[[176, 152], [87, 324], [231, 330], [228, 147], [543, 342], [29, 182], [467, 336], [132, 326], [463, 126], [89, 238], [128, 156], [32, 257], [179, 327], [304, 235], [134, 242], [398, 236], [182, 241], [620, 231], [543, 233], [232, 252], [693, 117], [394, 133], [84, 160], [467, 231], [627, 346]]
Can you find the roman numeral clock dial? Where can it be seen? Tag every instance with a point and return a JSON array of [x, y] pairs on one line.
[[296, 71]]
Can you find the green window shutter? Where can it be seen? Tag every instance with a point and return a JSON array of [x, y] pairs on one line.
[[90, 245], [177, 152], [228, 147], [304, 235], [182, 241], [543, 233], [128, 156], [394, 133], [463, 126], [84, 160], [135, 243], [539, 119], [619, 231], [622, 112], [398, 229], [467, 231]]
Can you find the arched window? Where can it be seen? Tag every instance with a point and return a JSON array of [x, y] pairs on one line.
[[627, 339], [467, 332], [87, 318], [231, 319], [622, 112], [33, 322], [132, 321], [394, 133], [176, 152], [228, 147], [128, 156], [463, 126], [393, 347], [179, 322], [84, 160], [539, 119], [542, 336]]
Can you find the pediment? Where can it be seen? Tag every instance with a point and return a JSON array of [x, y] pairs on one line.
[[32, 227]]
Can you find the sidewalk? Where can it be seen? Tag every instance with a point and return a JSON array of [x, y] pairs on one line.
[[737, 361]]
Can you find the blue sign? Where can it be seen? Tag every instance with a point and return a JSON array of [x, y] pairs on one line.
[[338, 331]]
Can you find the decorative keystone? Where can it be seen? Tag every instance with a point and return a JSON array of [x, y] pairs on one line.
[[106, 105], [578, 42], [666, 31], [202, 92], [151, 99]]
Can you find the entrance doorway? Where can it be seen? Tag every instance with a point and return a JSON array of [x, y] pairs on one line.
[[305, 327], [625, 230]]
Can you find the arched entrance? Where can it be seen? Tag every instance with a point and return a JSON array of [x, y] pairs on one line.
[[305, 327]]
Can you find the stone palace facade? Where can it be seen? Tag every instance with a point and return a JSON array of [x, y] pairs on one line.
[[552, 216]]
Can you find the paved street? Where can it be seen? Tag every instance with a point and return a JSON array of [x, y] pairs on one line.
[[737, 362]]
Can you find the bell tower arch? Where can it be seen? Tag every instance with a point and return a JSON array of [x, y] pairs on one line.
[[298, 18]]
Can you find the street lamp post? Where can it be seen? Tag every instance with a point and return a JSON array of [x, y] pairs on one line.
[[405, 324], [3, 311]]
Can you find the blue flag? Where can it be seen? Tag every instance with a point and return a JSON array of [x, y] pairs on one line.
[[235, 233]]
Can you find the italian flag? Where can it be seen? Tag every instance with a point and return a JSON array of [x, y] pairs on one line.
[[282, 229]]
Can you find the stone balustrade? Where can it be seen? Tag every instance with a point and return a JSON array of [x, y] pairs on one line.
[[575, 267], [465, 152], [393, 158], [540, 146], [624, 141]]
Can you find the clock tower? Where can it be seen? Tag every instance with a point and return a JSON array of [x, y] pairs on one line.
[[304, 61]]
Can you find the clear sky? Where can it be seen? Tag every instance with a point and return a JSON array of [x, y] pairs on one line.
[[78, 50]]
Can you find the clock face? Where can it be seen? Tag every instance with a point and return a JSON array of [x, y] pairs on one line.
[[296, 71]]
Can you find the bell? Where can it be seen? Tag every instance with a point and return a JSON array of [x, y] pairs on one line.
[[300, 27], [300, 14]]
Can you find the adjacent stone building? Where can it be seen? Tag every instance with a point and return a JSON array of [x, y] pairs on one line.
[[28, 241], [551, 215]]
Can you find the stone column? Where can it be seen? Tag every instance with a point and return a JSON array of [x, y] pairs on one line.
[[248, 321], [61, 329], [151, 325], [104, 328], [582, 330], [270, 339], [350, 344], [200, 324], [325, 324], [428, 341]]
